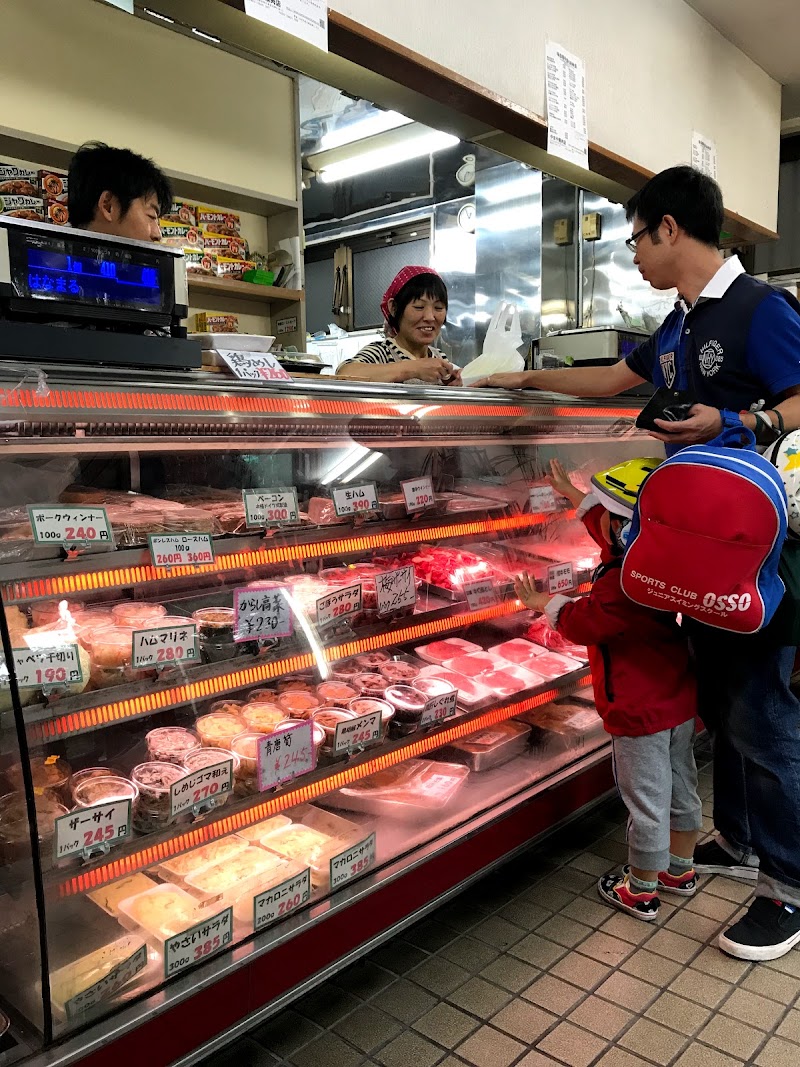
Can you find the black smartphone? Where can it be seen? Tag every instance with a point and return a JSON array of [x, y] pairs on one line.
[[670, 405]]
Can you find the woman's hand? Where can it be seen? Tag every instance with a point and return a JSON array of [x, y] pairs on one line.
[[525, 588], [434, 371]]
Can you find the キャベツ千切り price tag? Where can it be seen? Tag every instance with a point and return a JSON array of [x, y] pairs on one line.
[[281, 900], [560, 578], [353, 862], [357, 733], [439, 708], [254, 366], [164, 646], [59, 665], [543, 499], [117, 977], [356, 499], [262, 612], [65, 525], [396, 589], [335, 606], [286, 754], [197, 943], [268, 507], [181, 549], [203, 786], [418, 494], [480, 594], [90, 829]]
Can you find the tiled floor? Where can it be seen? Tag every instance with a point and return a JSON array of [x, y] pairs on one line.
[[528, 968]]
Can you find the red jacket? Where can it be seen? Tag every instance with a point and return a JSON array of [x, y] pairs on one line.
[[641, 672]]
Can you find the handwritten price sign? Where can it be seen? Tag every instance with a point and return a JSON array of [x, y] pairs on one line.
[[181, 550], [164, 646], [396, 589], [357, 733], [255, 366], [338, 605], [201, 787], [65, 526], [286, 755], [198, 943], [356, 499], [560, 578], [90, 829], [418, 494], [261, 613], [274, 904], [269, 507], [353, 862]]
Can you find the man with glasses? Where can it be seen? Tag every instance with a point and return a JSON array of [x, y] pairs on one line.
[[732, 343]]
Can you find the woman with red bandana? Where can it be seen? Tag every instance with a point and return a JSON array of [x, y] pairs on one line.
[[414, 309]]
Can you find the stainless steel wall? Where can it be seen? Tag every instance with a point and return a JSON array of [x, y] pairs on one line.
[[559, 262]]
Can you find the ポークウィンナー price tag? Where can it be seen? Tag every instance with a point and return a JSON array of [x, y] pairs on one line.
[[64, 525]]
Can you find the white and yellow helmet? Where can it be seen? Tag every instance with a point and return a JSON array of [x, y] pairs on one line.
[[617, 488]]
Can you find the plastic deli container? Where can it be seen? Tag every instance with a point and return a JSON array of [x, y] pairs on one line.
[[329, 719], [346, 670], [317, 732], [243, 872], [138, 616], [153, 780], [51, 777], [70, 981], [243, 900], [228, 707], [409, 703], [15, 841], [179, 868], [306, 847], [254, 833], [299, 703], [159, 913], [218, 729], [44, 612], [367, 705], [93, 791], [371, 661], [215, 625], [262, 718], [87, 773], [245, 746], [398, 672], [336, 693], [171, 744], [370, 684]]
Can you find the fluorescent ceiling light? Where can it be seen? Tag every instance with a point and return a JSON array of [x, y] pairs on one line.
[[379, 122], [388, 150], [157, 15], [205, 36]]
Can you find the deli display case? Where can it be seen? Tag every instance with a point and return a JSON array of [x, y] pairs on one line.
[[267, 691]]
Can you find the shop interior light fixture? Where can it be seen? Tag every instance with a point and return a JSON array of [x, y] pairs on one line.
[[378, 122], [375, 153]]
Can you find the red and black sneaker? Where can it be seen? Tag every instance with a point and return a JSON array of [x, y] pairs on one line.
[[682, 885], [616, 890]]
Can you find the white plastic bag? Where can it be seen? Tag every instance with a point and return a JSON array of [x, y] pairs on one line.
[[499, 354]]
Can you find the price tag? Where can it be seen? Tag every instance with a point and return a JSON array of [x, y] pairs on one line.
[[286, 755], [278, 902], [560, 578], [353, 862], [357, 733], [439, 708], [116, 978], [262, 612], [54, 525], [480, 594], [418, 493], [338, 605], [164, 645], [254, 366], [356, 499], [396, 589], [201, 786], [88, 829], [543, 499], [181, 550], [59, 665], [198, 943], [266, 507]]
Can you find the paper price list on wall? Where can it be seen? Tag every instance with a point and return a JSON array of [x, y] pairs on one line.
[[567, 130]]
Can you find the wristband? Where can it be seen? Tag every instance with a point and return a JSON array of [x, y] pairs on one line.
[[779, 417], [765, 431]]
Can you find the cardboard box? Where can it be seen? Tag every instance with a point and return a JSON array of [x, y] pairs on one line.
[[210, 322], [218, 220], [18, 181], [53, 185]]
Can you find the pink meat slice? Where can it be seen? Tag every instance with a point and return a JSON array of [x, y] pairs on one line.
[[516, 651], [553, 666], [464, 685], [503, 683], [472, 665], [443, 650]]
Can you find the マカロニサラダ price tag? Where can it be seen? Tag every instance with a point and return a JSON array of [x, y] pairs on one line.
[[439, 708], [543, 499], [59, 665], [418, 494], [353, 862], [106, 986], [63, 525], [262, 612], [268, 507], [254, 366], [560, 578], [357, 733], [201, 787], [281, 900], [285, 755], [164, 645], [89, 829], [356, 499], [338, 605], [480, 594], [197, 943], [181, 549], [396, 589]]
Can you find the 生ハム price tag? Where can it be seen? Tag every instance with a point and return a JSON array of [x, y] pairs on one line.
[[356, 499]]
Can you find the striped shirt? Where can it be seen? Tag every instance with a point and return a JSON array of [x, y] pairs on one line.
[[386, 351]]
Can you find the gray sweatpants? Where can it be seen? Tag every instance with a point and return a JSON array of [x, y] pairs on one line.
[[657, 780]]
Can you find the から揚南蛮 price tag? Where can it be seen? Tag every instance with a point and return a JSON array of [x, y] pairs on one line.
[[543, 499], [356, 499], [86, 830], [418, 494], [281, 900], [55, 525], [197, 943], [353, 862], [254, 366], [480, 594], [43, 667], [262, 612], [164, 645], [357, 733], [181, 549], [396, 589], [560, 578], [203, 786], [439, 708], [285, 755], [81, 1003], [268, 507], [338, 605]]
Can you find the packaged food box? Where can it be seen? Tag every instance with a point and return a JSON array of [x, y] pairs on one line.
[[160, 913], [314, 841], [253, 834], [182, 212], [199, 260], [53, 185], [18, 181], [108, 897], [218, 220], [233, 267], [489, 748], [179, 868], [21, 206], [75, 978], [180, 235], [224, 244], [211, 322], [245, 872]]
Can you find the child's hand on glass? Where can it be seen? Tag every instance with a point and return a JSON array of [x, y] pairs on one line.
[[525, 588], [559, 479]]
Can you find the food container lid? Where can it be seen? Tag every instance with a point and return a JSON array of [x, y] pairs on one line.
[[262, 717], [178, 912], [135, 613], [245, 745], [229, 875], [215, 618], [103, 791], [405, 696], [207, 757], [206, 856], [317, 731], [175, 740], [368, 705], [156, 777], [227, 707]]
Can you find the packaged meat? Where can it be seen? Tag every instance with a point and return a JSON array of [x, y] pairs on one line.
[[489, 748], [516, 651], [439, 651], [447, 568], [470, 692], [404, 791], [552, 665], [162, 912], [541, 632], [181, 867], [321, 512], [473, 664], [69, 982]]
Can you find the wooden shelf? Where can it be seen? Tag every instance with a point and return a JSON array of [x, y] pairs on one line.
[[260, 294]]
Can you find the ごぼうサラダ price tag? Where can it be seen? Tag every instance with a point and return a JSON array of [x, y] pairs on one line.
[[54, 525], [261, 613], [338, 605], [276, 903], [480, 594], [285, 755], [396, 589], [203, 786], [198, 943], [418, 494], [353, 862], [254, 366], [56, 666], [268, 507], [543, 499], [105, 987], [86, 830], [357, 733], [356, 499], [560, 578], [164, 645], [439, 708], [181, 549]]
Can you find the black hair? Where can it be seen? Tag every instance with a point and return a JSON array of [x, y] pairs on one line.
[[422, 285], [693, 199], [96, 167]]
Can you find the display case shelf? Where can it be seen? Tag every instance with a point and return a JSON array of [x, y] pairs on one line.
[[201, 287]]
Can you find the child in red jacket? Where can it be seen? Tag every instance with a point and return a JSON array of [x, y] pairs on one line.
[[645, 693]]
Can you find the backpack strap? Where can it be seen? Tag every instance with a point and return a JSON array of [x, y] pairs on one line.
[[734, 433]]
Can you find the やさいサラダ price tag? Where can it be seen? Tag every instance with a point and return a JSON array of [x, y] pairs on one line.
[[396, 589], [357, 733], [261, 613], [353, 862], [439, 708], [106, 986], [164, 645], [560, 578], [543, 499], [203, 786], [56, 666], [285, 755], [55, 525], [90, 829], [268, 507], [338, 605], [356, 499], [254, 366], [197, 943], [278, 902], [181, 549], [480, 594], [418, 494]]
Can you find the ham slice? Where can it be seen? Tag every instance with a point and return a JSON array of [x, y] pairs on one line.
[[473, 665], [439, 651], [516, 651], [469, 692]]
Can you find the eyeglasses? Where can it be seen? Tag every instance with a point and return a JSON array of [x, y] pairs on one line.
[[631, 242]]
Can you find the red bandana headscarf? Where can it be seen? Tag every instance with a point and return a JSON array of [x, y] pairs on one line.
[[401, 279]]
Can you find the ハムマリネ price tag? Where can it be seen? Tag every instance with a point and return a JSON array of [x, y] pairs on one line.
[[106, 986], [262, 612], [356, 499], [285, 755], [200, 787], [90, 829], [181, 549], [357, 733], [396, 589], [254, 366], [281, 900], [439, 708], [338, 605], [36, 667], [198, 943], [560, 578], [268, 507], [353, 862], [164, 645], [543, 499], [480, 594], [63, 525], [418, 494]]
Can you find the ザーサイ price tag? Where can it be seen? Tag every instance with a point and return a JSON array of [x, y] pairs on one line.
[[64, 525], [418, 494], [356, 499], [254, 366], [439, 708], [268, 507], [357, 733], [164, 645], [338, 605], [560, 578], [285, 755], [281, 900], [396, 589], [201, 787], [197, 943], [480, 594], [353, 862], [181, 549], [56, 666], [262, 612], [90, 829]]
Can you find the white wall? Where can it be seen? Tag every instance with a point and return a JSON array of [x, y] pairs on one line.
[[655, 71]]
